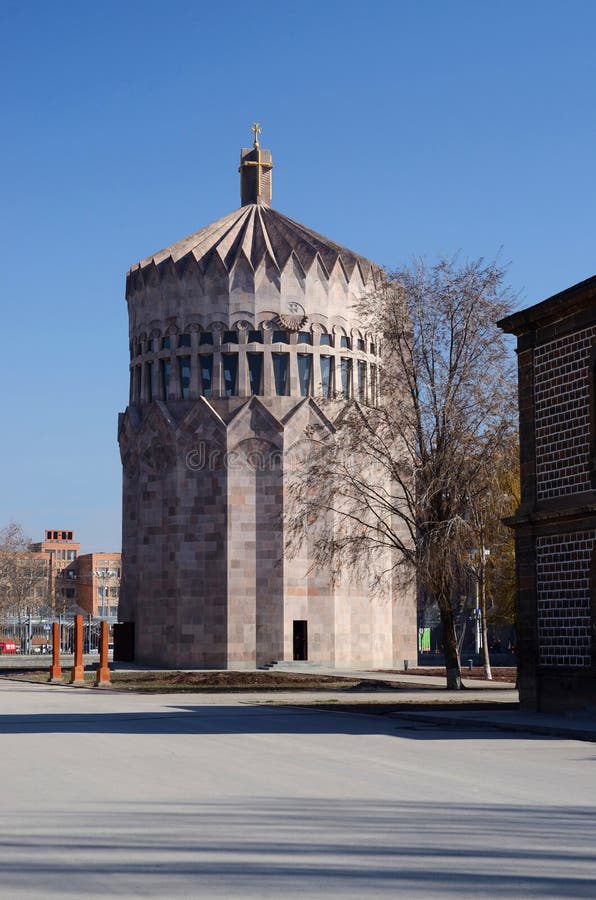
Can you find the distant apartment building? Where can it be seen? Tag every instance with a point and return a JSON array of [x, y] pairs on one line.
[[88, 582], [98, 584], [60, 551]]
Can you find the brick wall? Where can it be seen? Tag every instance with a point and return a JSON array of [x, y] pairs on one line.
[[562, 414], [563, 577]]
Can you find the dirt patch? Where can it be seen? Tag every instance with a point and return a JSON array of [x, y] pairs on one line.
[[508, 674], [174, 682]]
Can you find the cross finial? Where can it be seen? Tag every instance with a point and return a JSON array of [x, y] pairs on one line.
[[256, 130]]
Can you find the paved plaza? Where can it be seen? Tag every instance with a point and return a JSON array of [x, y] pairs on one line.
[[219, 795]]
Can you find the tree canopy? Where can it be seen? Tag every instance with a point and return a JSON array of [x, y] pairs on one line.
[[410, 474]]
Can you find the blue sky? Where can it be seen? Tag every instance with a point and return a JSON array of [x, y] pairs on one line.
[[397, 128]]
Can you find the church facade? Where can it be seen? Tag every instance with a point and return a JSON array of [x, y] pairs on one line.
[[237, 334]]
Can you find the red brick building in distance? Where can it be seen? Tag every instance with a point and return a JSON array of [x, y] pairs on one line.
[[555, 524], [59, 551], [88, 583], [98, 584]]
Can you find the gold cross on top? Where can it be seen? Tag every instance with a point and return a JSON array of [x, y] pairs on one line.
[[256, 130]]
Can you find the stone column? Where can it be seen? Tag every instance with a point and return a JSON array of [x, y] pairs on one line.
[[77, 675], [55, 668], [102, 676]]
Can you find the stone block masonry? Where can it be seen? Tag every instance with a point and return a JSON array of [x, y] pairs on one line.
[[237, 334]]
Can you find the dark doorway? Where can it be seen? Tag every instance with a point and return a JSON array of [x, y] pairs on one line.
[[300, 639]]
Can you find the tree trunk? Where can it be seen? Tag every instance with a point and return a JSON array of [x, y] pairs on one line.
[[485, 652], [452, 667]]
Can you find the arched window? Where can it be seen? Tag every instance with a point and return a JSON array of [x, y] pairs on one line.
[[325, 340]]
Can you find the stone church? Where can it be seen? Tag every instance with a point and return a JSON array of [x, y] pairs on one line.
[[237, 333]]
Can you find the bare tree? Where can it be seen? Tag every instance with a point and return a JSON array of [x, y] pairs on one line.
[[23, 575], [398, 477], [492, 559]]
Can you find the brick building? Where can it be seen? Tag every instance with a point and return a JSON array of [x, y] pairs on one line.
[[88, 582], [60, 551], [98, 584], [555, 524]]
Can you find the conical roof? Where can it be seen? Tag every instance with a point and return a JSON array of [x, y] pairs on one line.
[[256, 232]]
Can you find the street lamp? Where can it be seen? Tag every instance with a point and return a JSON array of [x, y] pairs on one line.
[[479, 570]]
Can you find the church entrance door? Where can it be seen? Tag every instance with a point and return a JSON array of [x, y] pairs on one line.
[[300, 639]]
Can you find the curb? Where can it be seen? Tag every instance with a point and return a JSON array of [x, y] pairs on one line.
[[560, 731]]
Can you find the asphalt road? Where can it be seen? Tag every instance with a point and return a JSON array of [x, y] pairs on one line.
[[191, 796]]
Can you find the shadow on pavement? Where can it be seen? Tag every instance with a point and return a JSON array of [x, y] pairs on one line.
[[307, 846], [246, 719]]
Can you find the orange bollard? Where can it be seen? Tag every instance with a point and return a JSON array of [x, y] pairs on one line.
[[56, 668], [77, 675], [102, 676]]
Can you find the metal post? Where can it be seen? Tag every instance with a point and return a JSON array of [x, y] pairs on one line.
[[477, 632]]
